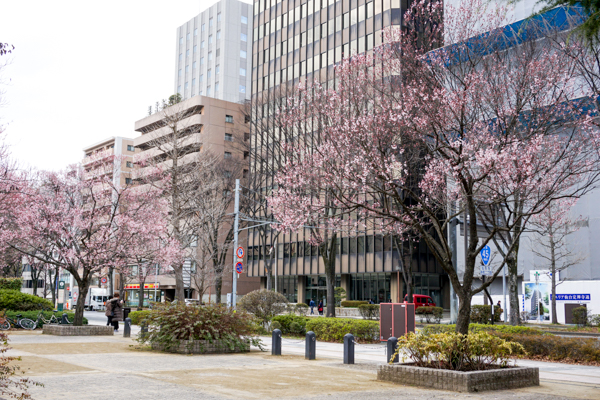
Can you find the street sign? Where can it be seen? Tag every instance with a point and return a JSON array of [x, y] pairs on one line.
[[239, 268], [240, 252], [485, 255], [61, 284], [584, 297], [104, 280]]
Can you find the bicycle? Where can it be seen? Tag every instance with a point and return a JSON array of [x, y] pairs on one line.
[[24, 323], [52, 320]]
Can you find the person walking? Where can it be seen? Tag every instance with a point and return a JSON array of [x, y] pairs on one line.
[[320, 308], [116, 311], [108, 312], [312, 307]]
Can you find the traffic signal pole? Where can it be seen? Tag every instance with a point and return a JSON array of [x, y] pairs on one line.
[[236, 225]]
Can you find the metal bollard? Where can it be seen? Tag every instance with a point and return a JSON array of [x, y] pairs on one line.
[[144, 330], [276, 343], [127, 328], [392, 345], [310, 346], [348, 348], [64, 319]]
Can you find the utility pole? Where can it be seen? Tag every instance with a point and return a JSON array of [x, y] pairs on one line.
[[236, 225]]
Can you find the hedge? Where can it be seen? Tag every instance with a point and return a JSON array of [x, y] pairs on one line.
[[556, 348], [334, 329], [369, 311], [15, 300], [11, 283], [286, 321], [353, 303], [481, 314], [430, 314], [137, 316], [520, 330], [47, 314]]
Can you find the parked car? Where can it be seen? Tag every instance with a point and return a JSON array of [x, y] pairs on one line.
[[421, 300]]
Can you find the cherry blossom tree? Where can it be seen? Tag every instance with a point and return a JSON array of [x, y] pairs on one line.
[[82, 223], [488, 130]]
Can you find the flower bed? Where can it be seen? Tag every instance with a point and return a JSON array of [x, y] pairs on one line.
[[201, 347]]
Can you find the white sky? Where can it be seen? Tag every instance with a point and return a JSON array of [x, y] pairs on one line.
[[83, 71]]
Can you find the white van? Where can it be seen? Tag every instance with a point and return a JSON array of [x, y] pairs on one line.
[[96, 299]]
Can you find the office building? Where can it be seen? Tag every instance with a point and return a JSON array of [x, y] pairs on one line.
[[214, 50]]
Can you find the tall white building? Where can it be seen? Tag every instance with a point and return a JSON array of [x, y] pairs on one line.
[[214, 53]]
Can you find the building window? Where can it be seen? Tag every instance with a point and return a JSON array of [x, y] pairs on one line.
[[242, 53], [227, 154], [210, 22], [186, 86], [187, 69], [129, 164], [180, 57], [193, 83], [201, 78], [187, 37], [196, 32], [246, 155], [179, 73], [244, 20], [242, 89], [201, 60], [245, 174], [218, 17], [209, 39], [194, 65], [216, 87], [210, 56], [181, 40], [202, 44], [208, 73], [244, 37], [243, 71], [208, 91], [128, 181], [130, 148], [179, 89], [229, 118], [229, 137], [217, 68], [195, 49], [218, 34], [187, 53], [203, 26]]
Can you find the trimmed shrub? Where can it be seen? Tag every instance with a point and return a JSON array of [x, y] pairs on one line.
[[450, 350], [275, 325], [138, 316], [339, 294], [594, 319], [481, 314], [430, 314], [519, 330], [47, 314], [264, 304], [369, 311], [169, 324], [580, 316], [557, 348], [334, 329], [353, 303], [11, 283], [301, 308], [285, 322], [15, 300]]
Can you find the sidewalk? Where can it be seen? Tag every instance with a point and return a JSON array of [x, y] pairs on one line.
[[104, 367]]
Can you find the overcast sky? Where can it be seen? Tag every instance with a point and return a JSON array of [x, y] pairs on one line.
[[83, 71]]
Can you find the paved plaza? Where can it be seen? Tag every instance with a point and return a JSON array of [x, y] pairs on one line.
[[105, 367]]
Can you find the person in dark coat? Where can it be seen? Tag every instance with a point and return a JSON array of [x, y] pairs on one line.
[[312, 306], [116, 311], [320, 307], [108, 313]]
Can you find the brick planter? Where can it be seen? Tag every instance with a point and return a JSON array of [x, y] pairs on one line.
[[475, 381], [85, 330], [198, 347]]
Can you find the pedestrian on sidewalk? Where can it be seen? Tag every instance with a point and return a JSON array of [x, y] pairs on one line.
[[320, 307], [108, 312], [312, 307], [116, 311]]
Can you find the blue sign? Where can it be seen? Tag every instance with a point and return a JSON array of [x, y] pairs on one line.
[[583, 297], [239, 268], [485, 255]]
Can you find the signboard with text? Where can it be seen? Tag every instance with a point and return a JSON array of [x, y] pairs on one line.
[[580, 297]]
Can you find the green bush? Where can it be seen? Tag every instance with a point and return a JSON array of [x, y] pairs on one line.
[[286, 321], [369, 311], [353, 303], [15, 300], [169, 324], [11, 283], [296, 328], [455, 351], [334, 329], [430, 314], [594, 319], [339, 293], [481, 314], [275, 325], [138, 316], [263, 304], [580, 316], [557, 348], [47, 314], [520, 330], [301, 308]]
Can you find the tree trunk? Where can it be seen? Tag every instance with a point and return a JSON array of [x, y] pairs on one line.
[[218, 288], [34, 280], [179, 289], [464, 312], [53, 285], [553, 272], [513, 290], [84, 286], [111, 284], [329, 256], [485, 299], [141, 296]]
